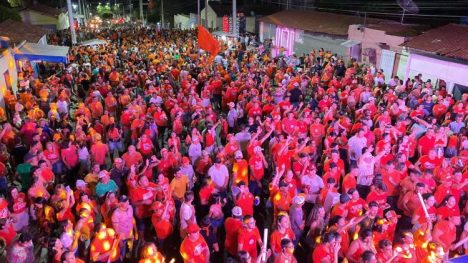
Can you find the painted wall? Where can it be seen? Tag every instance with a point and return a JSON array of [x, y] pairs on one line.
[[432, 68], [38, 19], [181, 21], [212, 18], [7, 63], [372, 38], [299, 41]]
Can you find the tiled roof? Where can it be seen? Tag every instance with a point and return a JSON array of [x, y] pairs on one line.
[[46, 10], [450, 40], [317, 22], [397, 29], [19, 31]]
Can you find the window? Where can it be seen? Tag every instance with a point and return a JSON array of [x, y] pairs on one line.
[[6, 75]]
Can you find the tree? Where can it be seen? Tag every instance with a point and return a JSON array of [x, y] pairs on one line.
[[8, 13], [15, 3], [104, 11]]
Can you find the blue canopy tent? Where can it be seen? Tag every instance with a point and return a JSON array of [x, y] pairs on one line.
[[461, 259], [39, 52]]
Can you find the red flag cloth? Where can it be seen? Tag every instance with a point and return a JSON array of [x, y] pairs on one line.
[[207, 42]]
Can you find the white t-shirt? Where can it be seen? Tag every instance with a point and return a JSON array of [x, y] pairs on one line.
[[186, 214], [219, 175], [314, 183], [356, 145]]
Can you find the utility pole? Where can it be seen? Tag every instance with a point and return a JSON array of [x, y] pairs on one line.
[[206, 13], [198, 13], [234, 17], [162, 13], [70, 21], [142, 18]]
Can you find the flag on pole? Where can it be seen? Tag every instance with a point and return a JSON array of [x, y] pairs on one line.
[[207, 42]]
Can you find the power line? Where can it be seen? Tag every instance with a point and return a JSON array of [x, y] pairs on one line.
[[378, 13]]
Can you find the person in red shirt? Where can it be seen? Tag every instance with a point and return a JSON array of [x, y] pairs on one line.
[[245, 199], [355, 205], [406, 249], [426, 142], [283, 231], [385, 251], [232, 225], [194, 247], [257, 165], [445, 232], [378, 194], [161, 221], [99, 152], [142, 195], [447, 208], [419, 217], [104, 246], [281, 198], [240, 169], [360, 245], [341, 208], [349, 181], [327, 251], [132, 157], [249, 238], [145, 145], [287, 252]]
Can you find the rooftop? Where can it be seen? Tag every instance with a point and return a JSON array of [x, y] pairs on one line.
[[17, 32], [449, 41], [397, 29], [46, 10], [317, 22]]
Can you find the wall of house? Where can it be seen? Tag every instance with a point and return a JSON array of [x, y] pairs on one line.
[[250, 24], [181, 22], [212, 18], [7, 64], [373, 39], [38, 19], [299, 41], [434, 68]]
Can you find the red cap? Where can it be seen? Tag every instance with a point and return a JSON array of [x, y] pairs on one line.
[[193, 228]]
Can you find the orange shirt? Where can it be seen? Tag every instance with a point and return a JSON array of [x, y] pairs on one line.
[[131, 159], [281, 201], [162, 227], [99, 151], [240, 171], [194, 251], [449, 233], [103, 244]]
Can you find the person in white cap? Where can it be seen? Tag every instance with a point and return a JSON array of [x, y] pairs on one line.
[[105, 184], [232, 116], [232, 226], [296, 216], [240, 169]]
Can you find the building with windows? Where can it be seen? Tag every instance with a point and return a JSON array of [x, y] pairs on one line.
[[441, 55]]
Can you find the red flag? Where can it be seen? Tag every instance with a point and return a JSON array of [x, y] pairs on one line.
[[207, 42]]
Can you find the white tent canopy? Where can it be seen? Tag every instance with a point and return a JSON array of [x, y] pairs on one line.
[[93, 42], [49, 53], [222, 33]]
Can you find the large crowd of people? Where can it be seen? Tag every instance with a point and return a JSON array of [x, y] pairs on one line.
[[147, 149]]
